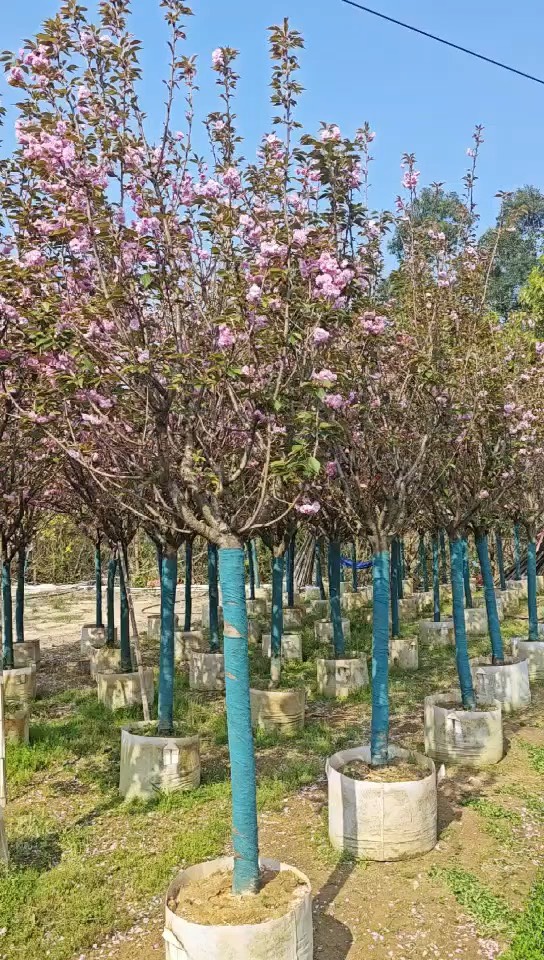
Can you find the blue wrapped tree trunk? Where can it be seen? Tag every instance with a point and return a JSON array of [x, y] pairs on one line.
[[240, 736], [251, 570], [291, 573], [531, 589], [400, 567], [466, 577], [110, 601], [8, 615], [98, 585], [20, 596], [379, 740], [354, 578], [124, 624], [394, 591], [436, 581], [517, 551], [277, 616], [169, 578], [256, 563], [443, 559], [461, 647], [334, 591], [213, 594], [188, 585], [500, 559], [482, 546], [318, 571], [424, 573]]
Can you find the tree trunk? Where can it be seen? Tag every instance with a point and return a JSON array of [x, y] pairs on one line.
[[4, 854], [517, 551], [213, 595], [124, 624], [423, 564], [461, 648], [443, 559], [500, 559], [436, 581], [20, 597], [8, 615], [318, 572], [277, 618], [98, 585], [354, 577], [466, 577], [379, 740], [256, 571], [334, 601], [399, 564], [241, 749], [291, 573], [394, 591], [251, 571], [110, 601], [189, 585], [531, 588], [497, 650], [169, 579]]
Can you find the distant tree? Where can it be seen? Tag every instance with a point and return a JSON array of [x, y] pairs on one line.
[[442, 212], [519, 239]]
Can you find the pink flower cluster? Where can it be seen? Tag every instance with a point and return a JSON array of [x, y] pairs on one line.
[[372, 323], [332, 278], [308, 509]]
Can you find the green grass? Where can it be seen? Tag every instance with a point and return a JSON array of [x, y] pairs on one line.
[[84, 864], [499, 821], [528, 942], [536, 757], [490, 912]]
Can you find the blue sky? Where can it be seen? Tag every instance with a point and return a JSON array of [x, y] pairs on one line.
[[418, 96]]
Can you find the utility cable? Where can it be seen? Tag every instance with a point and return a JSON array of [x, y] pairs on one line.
[[446, 43]]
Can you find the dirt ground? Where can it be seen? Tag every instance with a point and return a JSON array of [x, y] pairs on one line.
[[393, 911]]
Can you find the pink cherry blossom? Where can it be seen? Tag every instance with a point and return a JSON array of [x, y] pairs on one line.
[[330, 133], [226, 337], [15, 76], [308, 509], [335, 401], [321, 335], [410, 179], [324, 377], [218, 58]]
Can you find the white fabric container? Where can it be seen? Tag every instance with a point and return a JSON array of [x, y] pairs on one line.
[[469, 737], [403, 653], [508, 683], [150, 765], [278, 709], [439, 634], [324, 630], [381, 821], [341, 678], [286, 938], [533, 652]]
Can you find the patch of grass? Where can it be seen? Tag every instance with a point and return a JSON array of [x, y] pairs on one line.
[[528, 942], [536, 757], [531, 801], [499, 821], [490, 912]]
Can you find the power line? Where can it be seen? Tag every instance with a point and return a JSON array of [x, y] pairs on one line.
[[447, 43]]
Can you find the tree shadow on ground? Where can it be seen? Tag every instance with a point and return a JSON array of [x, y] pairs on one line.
[[39, 853], [332, 939]]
